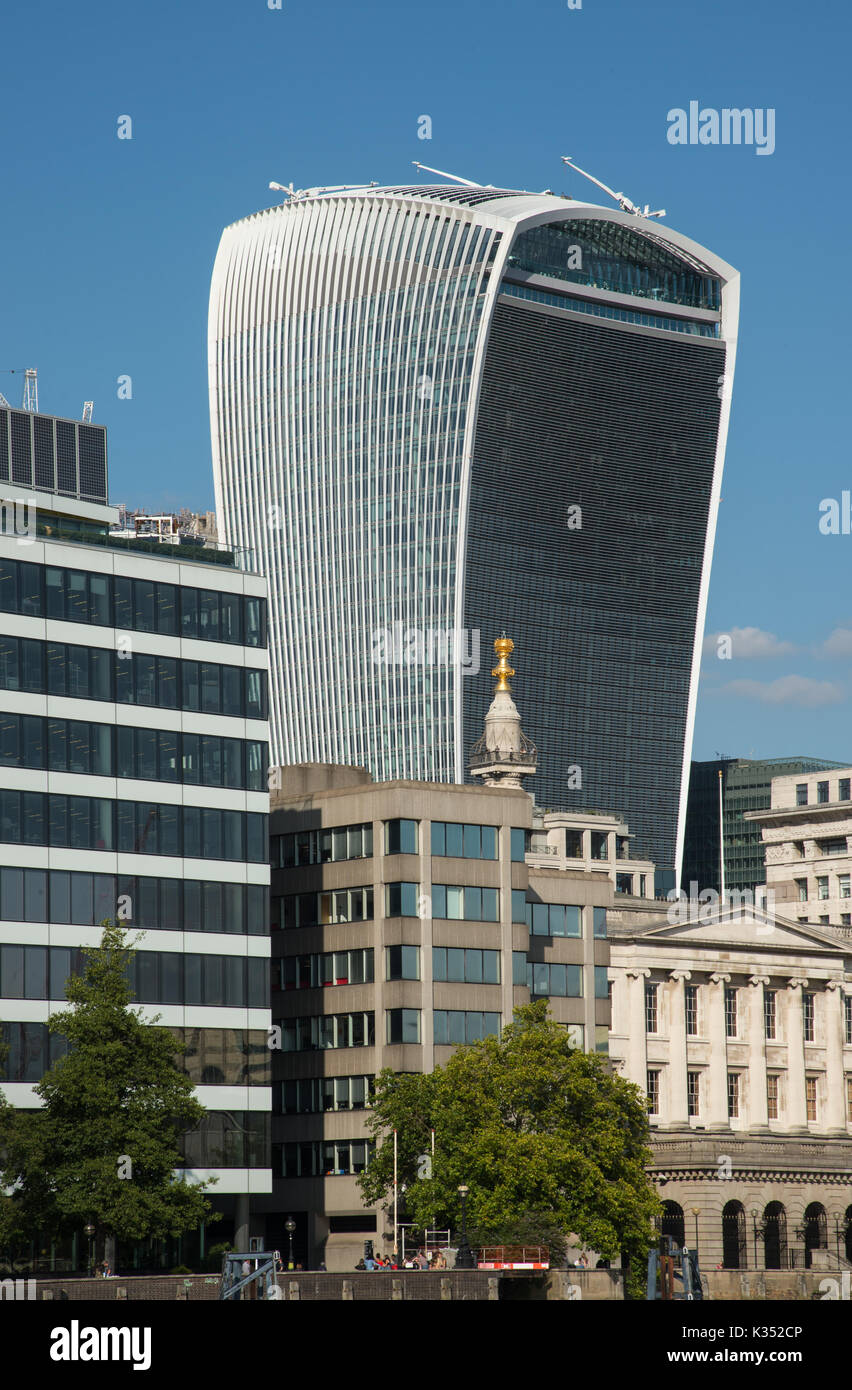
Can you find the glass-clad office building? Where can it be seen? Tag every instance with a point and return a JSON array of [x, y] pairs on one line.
[[439, 412]]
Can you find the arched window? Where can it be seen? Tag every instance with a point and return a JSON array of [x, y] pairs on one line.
[[816, 1230], [672, 1223], [775, 1236], [734, 1249]]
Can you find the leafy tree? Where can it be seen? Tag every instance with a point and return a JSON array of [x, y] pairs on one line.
[[106, 1143], [539, 1131]]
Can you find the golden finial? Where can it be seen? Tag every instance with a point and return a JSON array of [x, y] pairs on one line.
[[503, 646]]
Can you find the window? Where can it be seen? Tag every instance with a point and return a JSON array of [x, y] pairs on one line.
[[403, 1025], [402, 962], [802, 887], [554, 919], [822, 793], [519, 905], [692, 1092], [624, 883], [843, 885], [457, 841], [322, 1158], [327, 1031], [314, 1095], [573, 844], [599, 844], [772, 1097], [401, 837], [731, 1013], [599, 920], [454, 1027], [653, 1089], [551, 979], [846, 919], [321, 846], [651, 1007], [811, 1096], [318, 971], [801, 793], [843, 789], [808, 1015], [460, 965], [518, 845], [769, 997], [822, 887], [601, 983], [733, 1095], [401, 900], [691, 1008], [837, 845], [453, 902], [847, 1018]]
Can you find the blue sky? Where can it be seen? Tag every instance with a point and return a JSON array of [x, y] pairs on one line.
[[107, 244]]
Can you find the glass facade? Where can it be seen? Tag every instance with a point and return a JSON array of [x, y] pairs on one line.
[[607, 611]]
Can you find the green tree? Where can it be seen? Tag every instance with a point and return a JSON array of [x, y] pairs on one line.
[[544, 1135], [105, 1145]]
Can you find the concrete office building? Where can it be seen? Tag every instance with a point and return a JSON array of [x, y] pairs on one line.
[[133, 752], [439, 411], [807, 839], [738, 1026], [746, 787], [408, 918]]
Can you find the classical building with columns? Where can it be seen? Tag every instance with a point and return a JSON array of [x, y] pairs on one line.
[[738, 1025]]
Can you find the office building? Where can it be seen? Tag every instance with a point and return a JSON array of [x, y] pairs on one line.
[[807, 839], [737, 1024], [746, 787], [409, 918], [133, 785], [438, 412]]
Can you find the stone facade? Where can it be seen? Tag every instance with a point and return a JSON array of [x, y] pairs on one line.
[[807, 834]]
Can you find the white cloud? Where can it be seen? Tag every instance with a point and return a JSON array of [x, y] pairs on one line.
[[838, 643], [748, 644], [788, 690]]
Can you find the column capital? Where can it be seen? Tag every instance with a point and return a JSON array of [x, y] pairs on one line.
[[797, 982], [719, 978], [680, 975], [839, 985], [637, 972], [758, 980]]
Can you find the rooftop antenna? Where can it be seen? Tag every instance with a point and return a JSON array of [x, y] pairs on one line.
[[295, 195], [468, 183], [623, 202], [30, 398]]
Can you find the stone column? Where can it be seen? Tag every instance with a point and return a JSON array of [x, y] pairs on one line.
[[797, 1117], [758, 1107], [718, 1107], [835, 1027], [678, 1117], [637, 1050]]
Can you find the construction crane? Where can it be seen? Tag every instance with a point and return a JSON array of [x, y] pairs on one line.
[[468, 183], [88, 407], [623, 201], [29, 399], [295, 195]]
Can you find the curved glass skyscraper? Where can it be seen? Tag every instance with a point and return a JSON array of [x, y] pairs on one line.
[[438, 412]]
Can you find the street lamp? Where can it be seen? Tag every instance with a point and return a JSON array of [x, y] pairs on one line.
[[89, 1231], [289, 1227], [464, 1255], [759, 1228], [696, 1212]]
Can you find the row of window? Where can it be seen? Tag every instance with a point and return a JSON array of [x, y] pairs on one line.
[[156, 904], [734, 1093], [321, 909], [108, 750], [145, 605], [331, 968], [99, 673], [229, 1139], [332, 1158], [131, 827], [156, 977], [321, 846], [317, 1094], [732, 1012], [450, 902], [213, 1056], [319, 1033], [823, 885], [844, 791]]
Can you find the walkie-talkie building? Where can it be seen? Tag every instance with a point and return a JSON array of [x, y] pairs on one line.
[[439, 412]]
